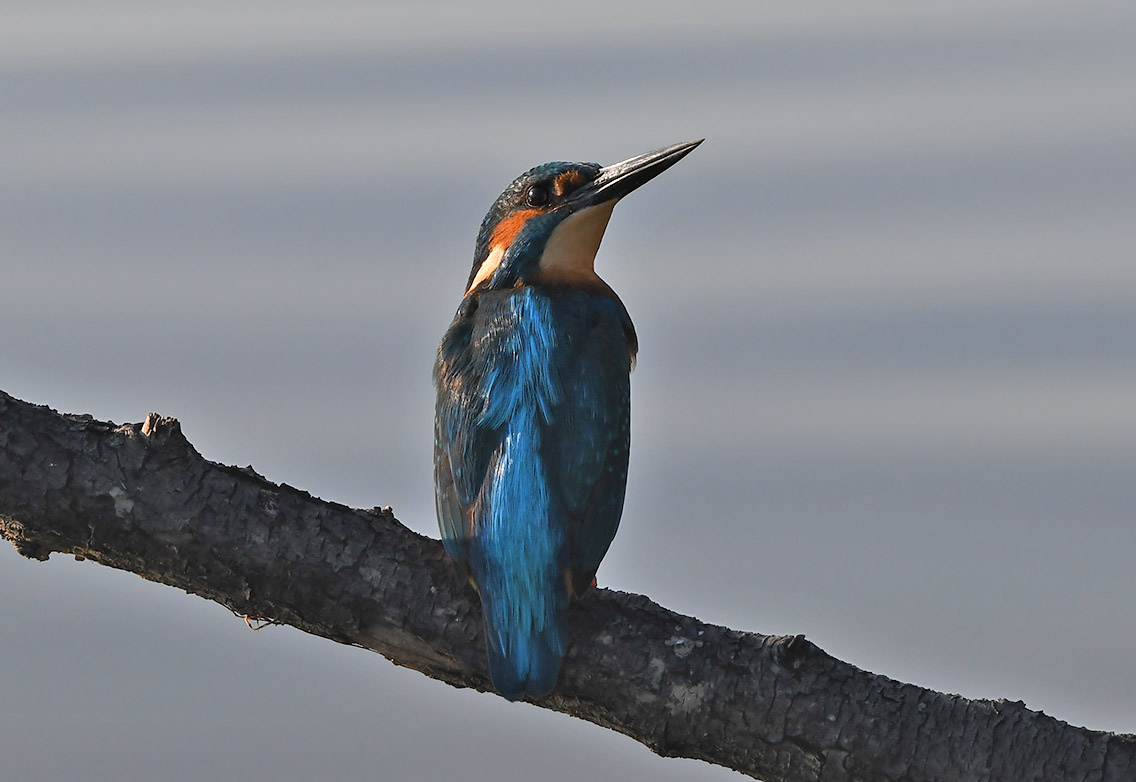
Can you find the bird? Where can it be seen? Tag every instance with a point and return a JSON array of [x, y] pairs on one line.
[[532, 423]]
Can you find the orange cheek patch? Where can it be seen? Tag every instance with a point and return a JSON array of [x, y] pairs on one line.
[[502, 238], [507, 230]]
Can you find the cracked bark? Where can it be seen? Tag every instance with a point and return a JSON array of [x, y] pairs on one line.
[[138, 497]]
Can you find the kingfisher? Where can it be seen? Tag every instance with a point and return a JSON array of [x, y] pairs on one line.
[[533, 413]]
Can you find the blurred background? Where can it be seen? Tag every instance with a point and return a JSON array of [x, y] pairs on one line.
[[886, 393]]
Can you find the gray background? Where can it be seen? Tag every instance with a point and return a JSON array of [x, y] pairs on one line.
[[887, 389]]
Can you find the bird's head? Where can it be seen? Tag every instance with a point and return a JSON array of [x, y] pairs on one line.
[[545, 229]]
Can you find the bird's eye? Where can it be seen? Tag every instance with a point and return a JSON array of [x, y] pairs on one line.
[[537, 195]]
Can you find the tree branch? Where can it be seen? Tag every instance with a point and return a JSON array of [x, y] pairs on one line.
[[139, 497]]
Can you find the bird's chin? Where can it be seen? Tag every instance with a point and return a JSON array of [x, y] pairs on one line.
[[570, 252]]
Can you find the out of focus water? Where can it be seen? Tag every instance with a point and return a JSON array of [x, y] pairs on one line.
[[886, 394]]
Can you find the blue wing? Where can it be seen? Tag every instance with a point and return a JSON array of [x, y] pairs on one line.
[[462, 448]]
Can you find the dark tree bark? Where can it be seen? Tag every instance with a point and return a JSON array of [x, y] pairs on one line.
[[139, 497]]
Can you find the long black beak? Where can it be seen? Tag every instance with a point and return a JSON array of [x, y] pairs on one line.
[[616, 181]]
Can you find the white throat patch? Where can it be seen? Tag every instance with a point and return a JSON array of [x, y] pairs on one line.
[[571, 250]]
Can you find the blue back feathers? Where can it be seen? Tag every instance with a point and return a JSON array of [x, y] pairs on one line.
[[518, 547], [531, 439]]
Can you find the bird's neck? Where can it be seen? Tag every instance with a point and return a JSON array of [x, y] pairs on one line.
[[568, 258], [569, 255]]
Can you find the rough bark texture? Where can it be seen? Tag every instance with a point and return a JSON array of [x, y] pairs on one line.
[[139, 497]]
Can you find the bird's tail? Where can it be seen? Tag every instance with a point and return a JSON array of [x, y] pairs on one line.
[[525, 642]]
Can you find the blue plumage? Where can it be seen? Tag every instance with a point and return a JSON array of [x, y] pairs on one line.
[[519, 545], [532, 427]]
